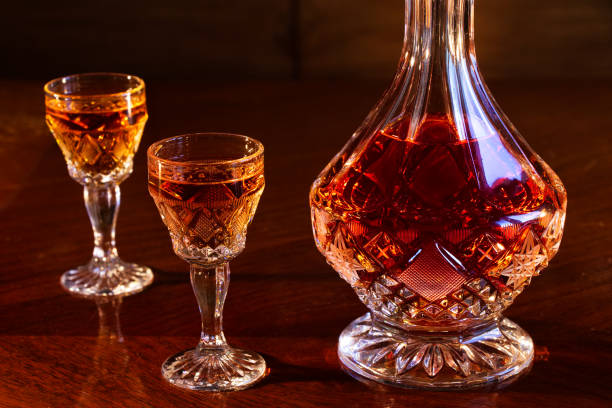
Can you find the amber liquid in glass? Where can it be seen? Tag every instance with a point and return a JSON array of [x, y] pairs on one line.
[[210, 214], [418, 211], [99, 141]]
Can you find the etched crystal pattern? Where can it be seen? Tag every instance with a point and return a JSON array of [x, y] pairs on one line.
[[207, 222], [427, 229], [553, 233], [431, 274], [98, 144], [218, 370], [434, 284], [527, 262], [380, 351]]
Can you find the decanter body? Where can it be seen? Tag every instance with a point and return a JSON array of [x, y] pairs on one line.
[[438, 214]]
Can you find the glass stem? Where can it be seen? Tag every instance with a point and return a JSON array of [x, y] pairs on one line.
[[108, 313], [102, 203], [210, 286]]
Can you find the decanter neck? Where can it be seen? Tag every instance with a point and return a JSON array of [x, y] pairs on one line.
[[437, 78], [439, 47], [438, 74], [439, 29]]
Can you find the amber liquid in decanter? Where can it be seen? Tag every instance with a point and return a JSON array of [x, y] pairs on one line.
[[438, 214], [419, 224]]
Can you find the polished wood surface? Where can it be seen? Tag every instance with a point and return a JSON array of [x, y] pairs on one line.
[[284, 301]]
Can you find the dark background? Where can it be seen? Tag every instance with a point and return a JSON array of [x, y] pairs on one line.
[[283, 39]]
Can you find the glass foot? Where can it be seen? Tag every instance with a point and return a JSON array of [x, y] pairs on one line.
[[438, 361], [116, 278], [225, 369]]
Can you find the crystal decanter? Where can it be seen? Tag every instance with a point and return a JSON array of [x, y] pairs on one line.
[[438, 214]]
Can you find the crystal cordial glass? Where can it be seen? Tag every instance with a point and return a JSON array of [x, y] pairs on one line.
[[438, 214], [206, 187], [97, 120]]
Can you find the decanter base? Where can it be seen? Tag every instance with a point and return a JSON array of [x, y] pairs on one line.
[[111, 279], [493, 356], [223, 369]]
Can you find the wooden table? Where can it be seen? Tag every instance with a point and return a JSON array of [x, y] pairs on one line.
[[284, 301]]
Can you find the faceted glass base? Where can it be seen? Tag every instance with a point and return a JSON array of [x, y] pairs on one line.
[[224, 369], [115, 177], [494, 354], [101, 279]]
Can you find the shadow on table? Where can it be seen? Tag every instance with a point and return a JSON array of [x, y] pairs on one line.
[[282, 372]]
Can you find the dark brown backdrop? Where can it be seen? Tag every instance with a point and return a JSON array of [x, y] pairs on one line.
[[210, 39]]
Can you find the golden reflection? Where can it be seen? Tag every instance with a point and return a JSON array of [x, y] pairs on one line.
[[112, 372], [108, 314]]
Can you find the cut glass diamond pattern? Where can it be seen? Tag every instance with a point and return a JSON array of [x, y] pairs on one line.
[[433, 284], [484, 250], [475, 309], [526, 263], [89, 150], [477, 284], [322, 222], [433, 310], [205, 233], [461, 294], [431, 275], [406, 293], [384, 249], [346, 260], [390, 308], [473, 299], [389, 282], [381, 289], [456, 310], [554, 232]]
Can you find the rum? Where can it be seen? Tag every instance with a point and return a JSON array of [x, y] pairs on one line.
[[100, 141], [209, 218]]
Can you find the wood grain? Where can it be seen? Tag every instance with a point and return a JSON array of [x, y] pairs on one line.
[[284, 301]]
